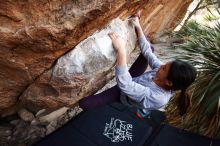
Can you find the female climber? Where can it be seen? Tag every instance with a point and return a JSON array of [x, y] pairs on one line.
[[144, 90]]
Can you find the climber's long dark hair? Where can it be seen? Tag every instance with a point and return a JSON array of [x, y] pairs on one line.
[[181, 74]]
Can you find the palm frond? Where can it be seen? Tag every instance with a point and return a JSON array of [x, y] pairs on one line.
[[202, 49]]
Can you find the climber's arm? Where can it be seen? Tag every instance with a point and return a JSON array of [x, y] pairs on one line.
[[119, 46], [145, 45]]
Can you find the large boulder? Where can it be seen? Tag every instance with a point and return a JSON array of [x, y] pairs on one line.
[[34, 34], [81, 71]]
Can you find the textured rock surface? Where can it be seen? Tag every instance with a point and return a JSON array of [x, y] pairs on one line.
[[53, 116], [81, 71], [17, 132], [34, 34], [25, 115]]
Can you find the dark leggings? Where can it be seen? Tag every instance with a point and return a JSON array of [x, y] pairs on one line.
[[113, 94]]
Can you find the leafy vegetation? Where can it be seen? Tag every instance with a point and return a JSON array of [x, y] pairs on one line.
[[202, 48]]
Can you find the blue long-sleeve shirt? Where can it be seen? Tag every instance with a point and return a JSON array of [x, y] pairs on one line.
[[142, 91]]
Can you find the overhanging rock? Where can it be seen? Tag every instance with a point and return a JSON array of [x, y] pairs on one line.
[[81, 71], [35, 34]]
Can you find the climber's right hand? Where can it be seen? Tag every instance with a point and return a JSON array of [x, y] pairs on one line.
[[117, 42], [119, 46]]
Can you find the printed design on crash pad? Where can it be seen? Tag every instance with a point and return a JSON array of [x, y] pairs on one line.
[[118, 130]]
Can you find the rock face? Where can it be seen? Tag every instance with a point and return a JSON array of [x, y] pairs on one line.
[[81, 71], [34, 34]]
